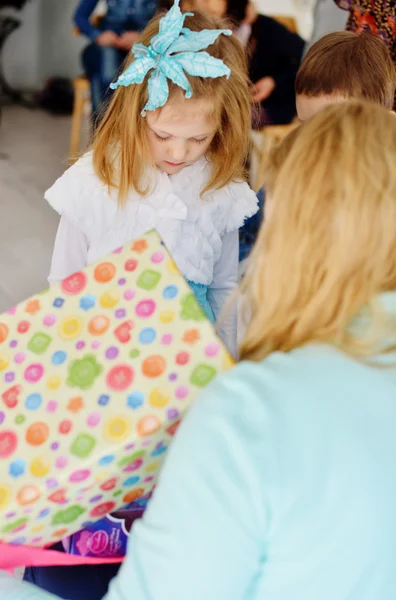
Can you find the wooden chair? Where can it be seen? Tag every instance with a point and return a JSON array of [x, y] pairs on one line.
[[289, 22], [270, 134], [82, 98]]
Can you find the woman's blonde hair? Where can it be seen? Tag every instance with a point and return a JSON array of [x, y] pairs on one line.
[[329, 246], [277, 157], [120, 148]]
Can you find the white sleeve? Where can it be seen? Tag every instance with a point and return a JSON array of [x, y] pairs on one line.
[[70, 251], [225, 281]]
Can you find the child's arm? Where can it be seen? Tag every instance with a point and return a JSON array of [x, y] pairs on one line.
[[70, 251], [225, 280]]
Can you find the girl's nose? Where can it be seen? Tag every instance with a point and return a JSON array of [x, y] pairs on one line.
[[178, 151]]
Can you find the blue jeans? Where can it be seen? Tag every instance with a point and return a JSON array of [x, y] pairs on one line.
[[86, 582], [101, 66]]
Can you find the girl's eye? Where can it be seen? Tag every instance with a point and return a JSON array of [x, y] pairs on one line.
[[199, 141], [161, 139]]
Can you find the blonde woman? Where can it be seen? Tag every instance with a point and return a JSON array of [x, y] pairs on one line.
[[281, 483]]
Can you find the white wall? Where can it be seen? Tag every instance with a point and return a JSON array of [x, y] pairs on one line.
[[21, 52], [60, 48], [301, 10], [44, 45], [328, 17]]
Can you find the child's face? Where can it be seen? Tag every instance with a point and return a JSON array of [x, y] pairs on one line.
[[309, 106], [180, 133]]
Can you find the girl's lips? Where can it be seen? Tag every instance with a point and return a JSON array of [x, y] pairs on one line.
[[171, 164]]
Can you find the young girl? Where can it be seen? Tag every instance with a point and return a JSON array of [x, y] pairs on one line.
[[168, 155], [161, 160], [292, 493]]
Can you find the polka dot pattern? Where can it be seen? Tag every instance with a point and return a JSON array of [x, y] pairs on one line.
[[96, 375]]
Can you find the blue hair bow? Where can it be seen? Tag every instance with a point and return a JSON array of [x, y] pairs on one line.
[[174, 51]]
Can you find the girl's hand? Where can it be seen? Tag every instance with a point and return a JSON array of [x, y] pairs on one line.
[[108, 38], [263, 89]]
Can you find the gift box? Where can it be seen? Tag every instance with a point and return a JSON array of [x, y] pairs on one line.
[[96, 374]]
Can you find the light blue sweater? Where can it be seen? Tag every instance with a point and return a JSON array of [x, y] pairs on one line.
[[281, 485]]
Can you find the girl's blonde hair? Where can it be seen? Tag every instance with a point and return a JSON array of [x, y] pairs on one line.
[[329, 246], [120, 148]]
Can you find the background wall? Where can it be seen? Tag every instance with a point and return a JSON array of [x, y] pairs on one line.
[[301, 10], [60, 48], [327, 17], [22, 50], [44, 45]]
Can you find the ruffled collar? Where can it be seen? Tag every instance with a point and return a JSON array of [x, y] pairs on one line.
[[198, 173], [192, 179]]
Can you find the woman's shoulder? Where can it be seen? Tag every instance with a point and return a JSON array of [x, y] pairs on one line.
[[300, 374], [290, 397]]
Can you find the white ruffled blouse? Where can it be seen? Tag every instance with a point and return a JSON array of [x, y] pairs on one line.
[[200, 234]]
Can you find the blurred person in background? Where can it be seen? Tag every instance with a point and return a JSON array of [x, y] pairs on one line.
[[275, 54], [111, 40]]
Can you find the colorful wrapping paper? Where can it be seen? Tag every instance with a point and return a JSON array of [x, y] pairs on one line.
[[95, 376]]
